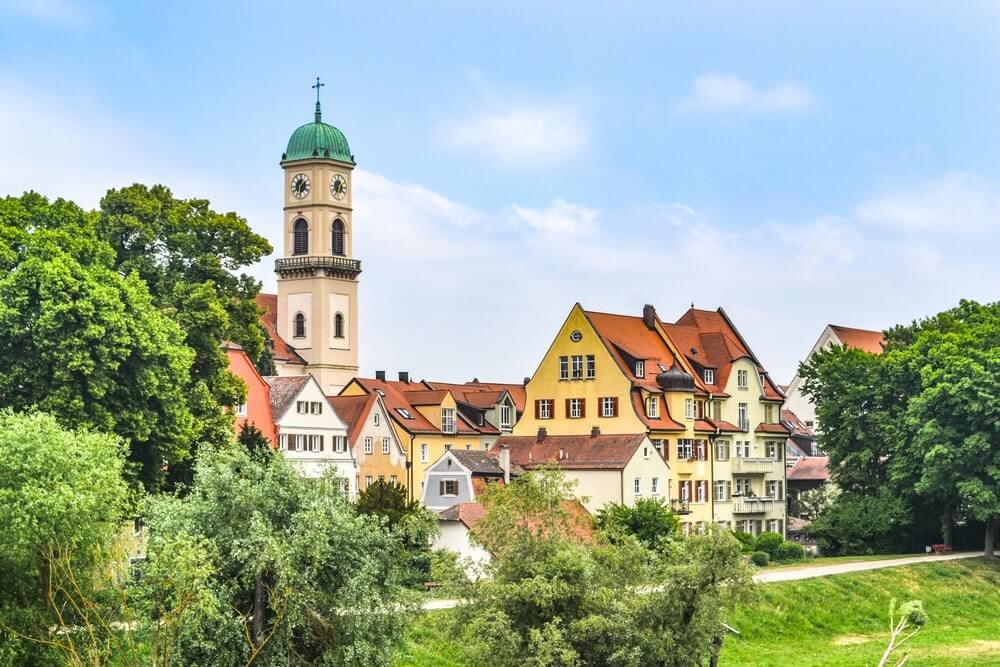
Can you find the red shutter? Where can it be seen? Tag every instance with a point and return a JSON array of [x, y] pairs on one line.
[[666, 449], [538, 409], [583, 408], [614, 406], [567, 409]]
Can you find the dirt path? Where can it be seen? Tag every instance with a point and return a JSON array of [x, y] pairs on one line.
[[810, 571]]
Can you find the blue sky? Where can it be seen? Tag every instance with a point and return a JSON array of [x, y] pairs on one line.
[[795, 165]]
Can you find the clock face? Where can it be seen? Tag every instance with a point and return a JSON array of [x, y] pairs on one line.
[[338, 186], [300, 186]]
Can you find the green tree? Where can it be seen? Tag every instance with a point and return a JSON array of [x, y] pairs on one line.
[[297, 576], [649, 520], [412, 524], [62, 499]]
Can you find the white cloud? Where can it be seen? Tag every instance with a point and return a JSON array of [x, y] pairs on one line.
[[715, 93], [64, 13], [955, 202], [559, 219], [523, 134]]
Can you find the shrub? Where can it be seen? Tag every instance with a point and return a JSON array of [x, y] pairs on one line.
[[769, 543], [746, 540], [760, 558], [789, 551]]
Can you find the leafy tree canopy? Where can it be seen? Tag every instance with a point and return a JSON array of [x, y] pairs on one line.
[[649, 520]]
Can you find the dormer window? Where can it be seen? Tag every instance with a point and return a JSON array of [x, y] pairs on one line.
[[742, 379], [404, 413], [653, 407], [709, 376], [506, 420], [447, 420], [640, 369]]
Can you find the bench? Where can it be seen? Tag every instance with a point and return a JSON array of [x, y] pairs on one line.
[[941, 548]]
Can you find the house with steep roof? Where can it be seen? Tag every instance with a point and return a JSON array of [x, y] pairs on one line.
[[286, 360], [861, 339], [377, 449], [461, 476], [255, 409], [310, 433], [605, 468]]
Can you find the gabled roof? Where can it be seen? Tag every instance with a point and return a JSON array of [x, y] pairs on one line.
[[862, 339], [573, 452], [466, 513], [810, 468], [353, 411], [284, 389], [478, 462], [776, 429], [479, 393], [280, 349], [662, 423], [399, 395], [796, 425]]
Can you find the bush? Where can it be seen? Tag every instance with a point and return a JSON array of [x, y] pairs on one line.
[[760, 558], [790, 551], [769, 543], [746, 540]]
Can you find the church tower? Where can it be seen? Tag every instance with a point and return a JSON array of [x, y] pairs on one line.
[[317, 310]]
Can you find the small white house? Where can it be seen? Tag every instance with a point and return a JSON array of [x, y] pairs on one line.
[[455, 525], [310, 434]]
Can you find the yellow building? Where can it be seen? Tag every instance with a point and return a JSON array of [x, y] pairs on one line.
[[378, 451], [624, 374]]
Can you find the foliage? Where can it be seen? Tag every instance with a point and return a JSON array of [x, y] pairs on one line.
[[862, 524], [556, 595], [649, 520], [62, 499], [769, 544], [760, 558], [413, 524], [746, 540], [911, 617], [254, 442], [295, 573], [810, 503], [789, 551]]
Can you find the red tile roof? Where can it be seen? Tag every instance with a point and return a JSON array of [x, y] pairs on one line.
[[280, 349], [862, 339], [573, 452], [662, 423], [810, 468], [777, 429], [284, 389], [478, 393], [467, 513], [353, 411], [408, 396], [796, 425]]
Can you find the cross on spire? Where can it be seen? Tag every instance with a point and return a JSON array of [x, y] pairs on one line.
[[317, 86]]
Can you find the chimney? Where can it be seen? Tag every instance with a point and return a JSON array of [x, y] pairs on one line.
[[595, 431], [380, 375], [404, 376], [649, 316], [541, 433], [475, 380], [526, 381], [505, 462]]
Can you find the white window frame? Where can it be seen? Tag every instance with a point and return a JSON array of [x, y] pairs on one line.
[[719, 490], [576, 367], [302, 407], [686, 490], [545, 408], [744, 486], [315, 408], [385, 445], [743, 416], [701, 491], [709, 376], [575, 408], [772, 450], [689, 408], [283, 441], [369, 445], [423, 452], [658, 446], [654, 486], [375, 419], [241, 409], [607, 406], [685, 445], [300, 442], [637, 486], [653, 407], [742, 379], [564, 368], [721, 450], [591, 367], [645, 451], [369, 480], [443, 490], [505, 415], [447, 420], [640, 369]]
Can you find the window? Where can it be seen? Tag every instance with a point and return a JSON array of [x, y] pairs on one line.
[[774, 489], [300, 237], [283, 441], [339, 443], [468, 445], [338, 325], [368, 481], [574, 408], [640, 369], [375, 418], [563, 368], [609, 406], [300, 442], [486, 446], [654, 486], [701, 495], [302, 407], [404, 413], [743, 486], [689, 408], [742, 449], [684, 491], [447, 448], [315, 443], [385, 445], [241, 409], [369, 445], [316, 408], [299, 326], [423, 453], [448, 487], [721, 450], [653, 407], [591, 367], [637, 485], [741, 416], [338, 238], [716, 409], [658, 446], [506, 420], [722, 490], [774, 525], [685, 449], [447, 420], [645, 452], [709, 376], [741, 379], [577, 365], [543, 408], [393, 479], [701, 450], [773, 450]]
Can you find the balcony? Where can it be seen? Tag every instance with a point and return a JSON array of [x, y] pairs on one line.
[[754, 504], [308, 266], [680, 506], [753, 466]]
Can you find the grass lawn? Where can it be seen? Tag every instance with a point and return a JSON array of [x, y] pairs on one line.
[[839, 620]]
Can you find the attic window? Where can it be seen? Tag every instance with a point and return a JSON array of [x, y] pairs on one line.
[[640, 369], [404, 413], [709, 376]]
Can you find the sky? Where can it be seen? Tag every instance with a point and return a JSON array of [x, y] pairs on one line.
[[796, 164]]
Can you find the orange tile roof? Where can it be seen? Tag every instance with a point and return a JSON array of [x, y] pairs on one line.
[[408, 396], [862, 339], [663, 423], [810, 468], [778, 429], [353, 411], [477, 393], [280, 349], [573, 452]]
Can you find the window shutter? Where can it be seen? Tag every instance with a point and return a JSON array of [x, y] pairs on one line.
[[321, 439], [583, 408], [567, 409], [614, 406], [538, 409], [441, 487]]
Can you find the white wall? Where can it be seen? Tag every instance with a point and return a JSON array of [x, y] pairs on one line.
[[454, 536]]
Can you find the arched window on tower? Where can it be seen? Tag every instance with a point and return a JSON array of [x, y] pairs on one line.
[[300, 242], [338, 325], [300, 326], [338, 238]]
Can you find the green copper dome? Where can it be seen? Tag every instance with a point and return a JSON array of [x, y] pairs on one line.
[[318, 140]]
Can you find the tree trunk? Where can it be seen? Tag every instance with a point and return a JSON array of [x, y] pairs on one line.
[[946, 528], [259, 609], [991, 536]]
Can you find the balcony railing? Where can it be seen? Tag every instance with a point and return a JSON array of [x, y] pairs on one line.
[[754, 466], [753, 505], [309, 264], [680, 506]]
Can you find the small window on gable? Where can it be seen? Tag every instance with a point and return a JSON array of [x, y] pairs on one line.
[[640, 369], [375, 418], [709, 376]]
